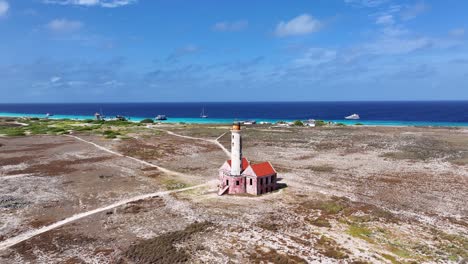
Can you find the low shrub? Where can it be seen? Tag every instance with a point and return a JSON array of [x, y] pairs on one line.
[[162, 249], [298, 123], [320, 123], [111, 134], [147, 121]]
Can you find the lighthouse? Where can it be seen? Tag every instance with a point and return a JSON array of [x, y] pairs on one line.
[[236, 150], [238, 175]]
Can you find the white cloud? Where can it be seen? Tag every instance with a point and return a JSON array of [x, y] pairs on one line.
[[397, 46], [300, 25], [4, 7], [366, 3], [55, 79], [385, 20], [316, 56], [457, 32], [64, 25], [102, 3], [231, 26]]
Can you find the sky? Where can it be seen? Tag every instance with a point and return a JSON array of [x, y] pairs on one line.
[[238, 50]]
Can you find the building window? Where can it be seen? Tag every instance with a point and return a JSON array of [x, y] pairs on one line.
[[266, 180], [237, 182], [250, 181], [227, 182], [261, 181]]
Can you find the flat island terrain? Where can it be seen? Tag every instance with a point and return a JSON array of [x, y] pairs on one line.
[[122, 192]]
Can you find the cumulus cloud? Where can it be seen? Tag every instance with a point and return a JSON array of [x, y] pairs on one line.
[[230, 26], [64, 25], [300, 25], [101, 3], [4, 7]]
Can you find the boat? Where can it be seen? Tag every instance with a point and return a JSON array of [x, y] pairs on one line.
[[161, 117], [203, 115], [353, 117], [49, 114], [249, 122], [120, 118]]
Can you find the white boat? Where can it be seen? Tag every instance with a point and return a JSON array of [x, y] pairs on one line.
[[161, 117], [49, 114], [353, 117], [203, 115], [249, 122]]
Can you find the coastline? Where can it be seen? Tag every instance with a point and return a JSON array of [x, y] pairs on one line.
[[197, 120]]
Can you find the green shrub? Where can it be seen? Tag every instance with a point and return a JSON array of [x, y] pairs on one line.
[[340, 124], [118, 123], [12, 131], [147, 121], [110, 134], [163, 249], [358, 124], [320, 123], [298, 123]]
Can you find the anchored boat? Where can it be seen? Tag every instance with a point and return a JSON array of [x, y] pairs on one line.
[[161, 117], [353, 117]]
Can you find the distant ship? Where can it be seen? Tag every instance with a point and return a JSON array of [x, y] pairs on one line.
[[161, 117], [353, 117], [203, 115], [49, 114], [120, 118], [249, 122]]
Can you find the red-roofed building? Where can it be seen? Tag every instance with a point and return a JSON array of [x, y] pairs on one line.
[[241, 176]]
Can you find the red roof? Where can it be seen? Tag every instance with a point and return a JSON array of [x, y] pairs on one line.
[[245, 163], [263, 169]]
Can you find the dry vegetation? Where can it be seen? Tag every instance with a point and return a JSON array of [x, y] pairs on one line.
[[353, 195]]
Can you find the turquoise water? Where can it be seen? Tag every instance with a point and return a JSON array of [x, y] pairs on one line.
[[230, 120]]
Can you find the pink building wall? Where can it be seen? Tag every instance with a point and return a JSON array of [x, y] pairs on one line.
[[258, 186]]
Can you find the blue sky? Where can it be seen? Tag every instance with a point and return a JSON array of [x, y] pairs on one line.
[[219, 50]]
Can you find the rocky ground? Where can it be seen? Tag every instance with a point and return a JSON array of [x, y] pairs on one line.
[[348, 195]]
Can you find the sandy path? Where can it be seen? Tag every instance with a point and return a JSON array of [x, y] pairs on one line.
[[214, 141], [15, 176], [27, 235], [129, 157]]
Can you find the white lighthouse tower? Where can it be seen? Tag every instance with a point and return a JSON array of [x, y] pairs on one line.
[[236, 150]]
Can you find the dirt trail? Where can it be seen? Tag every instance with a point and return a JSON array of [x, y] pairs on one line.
[[214, 141], [133, 158], [27, 235], [32, 233], [15, 176]]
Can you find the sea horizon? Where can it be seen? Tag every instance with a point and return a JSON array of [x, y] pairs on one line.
[[372, 113]]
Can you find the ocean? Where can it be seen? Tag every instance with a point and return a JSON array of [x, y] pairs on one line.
[[405, 113]]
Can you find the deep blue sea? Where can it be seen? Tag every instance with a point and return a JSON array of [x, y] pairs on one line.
[[432, 113]]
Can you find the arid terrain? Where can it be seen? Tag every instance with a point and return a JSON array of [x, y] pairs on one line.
[[84, 192]]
